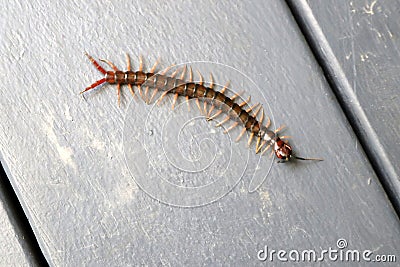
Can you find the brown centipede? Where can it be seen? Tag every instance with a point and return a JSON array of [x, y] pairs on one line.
[[178, 87]]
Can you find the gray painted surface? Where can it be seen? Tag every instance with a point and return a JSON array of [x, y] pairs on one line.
[[66, 155], [364, 36]]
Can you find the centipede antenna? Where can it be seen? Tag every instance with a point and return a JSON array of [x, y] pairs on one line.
[[300, 158], [94, 85]]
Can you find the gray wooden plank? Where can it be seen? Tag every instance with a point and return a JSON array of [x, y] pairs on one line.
[[363, 37], [73, 169]]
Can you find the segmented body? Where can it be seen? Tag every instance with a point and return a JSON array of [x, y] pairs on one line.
[[179, 87]]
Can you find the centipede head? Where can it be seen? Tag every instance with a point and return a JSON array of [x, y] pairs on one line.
[[283, 151]]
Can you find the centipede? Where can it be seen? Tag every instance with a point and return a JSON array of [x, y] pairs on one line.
[[251, 118]]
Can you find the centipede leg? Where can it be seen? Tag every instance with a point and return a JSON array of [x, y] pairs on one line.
[[166, 70], [200, 77], [205, 107], [153, 69], [211, 85], [188, 103], [153, 95], [210, 111], [225, 87], [244, 103], [174, 101], [268, 123], [250, 109], [232, 126], [215, 115], [250, 139], [140, 63], [175, 72], [190, 74], [271, 154], [146, 92], [237, 95], [110, 64], [259, 148], [128, 62], [223, 121], [258, 143], [198, 105], [265, 150], [280, 128], [161, 97], [139, 87], [241, 134], [183, 73], [119, 94]]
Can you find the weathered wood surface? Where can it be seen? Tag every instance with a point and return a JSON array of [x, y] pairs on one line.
[[363, 36], [66, 156]]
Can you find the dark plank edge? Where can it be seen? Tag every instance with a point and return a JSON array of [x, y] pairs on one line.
[[347, 100], [19, 220]]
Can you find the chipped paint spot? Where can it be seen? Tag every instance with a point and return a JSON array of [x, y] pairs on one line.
[[369, 9], [265, 197], [64, 152]]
